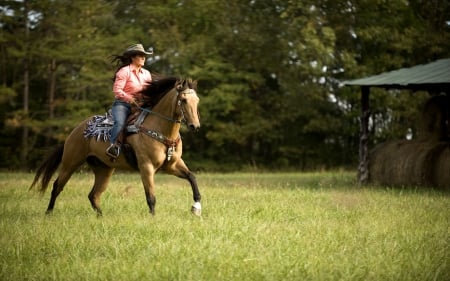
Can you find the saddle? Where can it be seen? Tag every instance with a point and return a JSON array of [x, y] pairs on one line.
[[99, 127]]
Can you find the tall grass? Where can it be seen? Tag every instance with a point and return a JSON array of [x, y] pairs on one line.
[[297, 226]]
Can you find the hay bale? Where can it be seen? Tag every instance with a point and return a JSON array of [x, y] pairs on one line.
[[410, 163], [422, 162], [441, 171]]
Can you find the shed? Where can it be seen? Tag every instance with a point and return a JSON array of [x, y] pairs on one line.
[[433, 77]]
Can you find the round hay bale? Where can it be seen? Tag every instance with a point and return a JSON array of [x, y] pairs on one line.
[[441, 171], [405, 163]]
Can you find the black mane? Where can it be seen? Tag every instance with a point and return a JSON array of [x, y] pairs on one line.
[[154, 91]]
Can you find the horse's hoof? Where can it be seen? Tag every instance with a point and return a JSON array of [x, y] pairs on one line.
[[197, 209]]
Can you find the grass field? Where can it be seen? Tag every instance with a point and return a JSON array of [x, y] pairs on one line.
[[285, 226]]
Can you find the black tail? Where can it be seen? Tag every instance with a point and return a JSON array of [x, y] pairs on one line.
[[48, 168]]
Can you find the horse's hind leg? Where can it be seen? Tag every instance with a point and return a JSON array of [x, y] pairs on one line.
[[58, 186], [102, 175], [75, 150], [147, 176]]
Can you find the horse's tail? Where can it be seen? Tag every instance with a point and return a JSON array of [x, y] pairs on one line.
[[45, 172]]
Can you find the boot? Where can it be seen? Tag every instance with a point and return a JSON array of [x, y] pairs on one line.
[[113, 151]]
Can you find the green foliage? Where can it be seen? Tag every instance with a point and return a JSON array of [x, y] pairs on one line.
[[287, 226], [268, 71]]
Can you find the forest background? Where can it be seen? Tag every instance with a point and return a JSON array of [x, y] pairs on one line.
[[269, 73]]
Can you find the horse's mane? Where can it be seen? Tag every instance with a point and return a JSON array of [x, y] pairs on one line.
[[160, 86], [156, 90]]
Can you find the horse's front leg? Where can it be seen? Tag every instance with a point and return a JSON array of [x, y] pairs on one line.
[[147, 176], [180, 169], [196, 208]]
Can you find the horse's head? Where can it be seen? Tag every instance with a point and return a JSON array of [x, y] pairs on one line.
[[188, 100]]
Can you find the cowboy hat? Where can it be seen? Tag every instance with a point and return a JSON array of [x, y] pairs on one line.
[[136, 49]]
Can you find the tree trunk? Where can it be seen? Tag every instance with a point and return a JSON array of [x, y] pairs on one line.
[[363, 168], [26, 90], [52, 88], [51, 98]]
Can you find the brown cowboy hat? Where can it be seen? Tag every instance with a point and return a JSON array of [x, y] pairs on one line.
[[136, 49]]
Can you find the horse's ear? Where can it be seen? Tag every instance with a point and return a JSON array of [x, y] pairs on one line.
[[179, 85], [192, 84]]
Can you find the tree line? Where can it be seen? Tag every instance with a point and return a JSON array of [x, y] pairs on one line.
[[268, 72]]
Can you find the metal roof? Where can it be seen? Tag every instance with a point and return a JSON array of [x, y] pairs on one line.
[[431, 76]]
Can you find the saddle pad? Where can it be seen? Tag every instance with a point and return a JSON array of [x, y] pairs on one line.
[[99, 127]]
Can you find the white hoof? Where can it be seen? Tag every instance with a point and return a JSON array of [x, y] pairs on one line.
[[196, 209]]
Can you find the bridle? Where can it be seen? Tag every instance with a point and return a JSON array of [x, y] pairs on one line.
[[187, 91], [179, 102]]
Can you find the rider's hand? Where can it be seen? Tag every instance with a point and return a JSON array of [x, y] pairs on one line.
[[133, 102]]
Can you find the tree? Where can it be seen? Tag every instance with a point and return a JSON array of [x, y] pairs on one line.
[[63, 76], [268, 71]]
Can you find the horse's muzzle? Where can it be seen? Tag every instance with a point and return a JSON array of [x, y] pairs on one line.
[[194, 128]]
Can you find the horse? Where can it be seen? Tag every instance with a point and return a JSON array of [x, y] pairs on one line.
[[154, 146]]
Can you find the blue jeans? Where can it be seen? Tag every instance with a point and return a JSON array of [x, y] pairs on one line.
[[120, 111]]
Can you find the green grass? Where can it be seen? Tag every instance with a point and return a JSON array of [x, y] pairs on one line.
[[292, 226]]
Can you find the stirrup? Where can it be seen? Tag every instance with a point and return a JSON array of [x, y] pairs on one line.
[[113, 151]]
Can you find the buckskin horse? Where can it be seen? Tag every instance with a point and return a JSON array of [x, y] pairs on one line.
[[154, 145]]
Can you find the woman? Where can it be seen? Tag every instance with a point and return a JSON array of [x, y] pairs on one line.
[[129, 80]]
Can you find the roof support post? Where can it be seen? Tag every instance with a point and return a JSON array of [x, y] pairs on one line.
[[363, 168]]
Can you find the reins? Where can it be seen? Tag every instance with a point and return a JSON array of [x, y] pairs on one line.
[[158, 114]]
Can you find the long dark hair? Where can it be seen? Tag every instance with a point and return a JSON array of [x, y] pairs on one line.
[[121, 61]]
